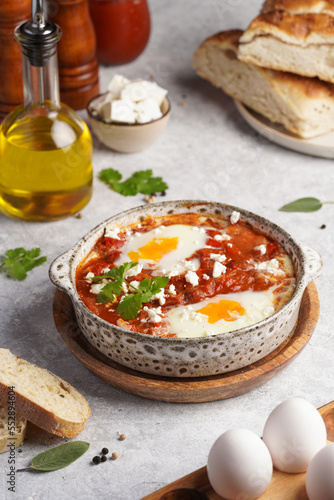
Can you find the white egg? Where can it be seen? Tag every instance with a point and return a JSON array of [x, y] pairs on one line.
[[239, 465], [221, 313], [165, 248], [294, 432], [320, 475]]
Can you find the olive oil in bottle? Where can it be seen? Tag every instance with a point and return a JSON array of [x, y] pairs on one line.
[[45, 147]]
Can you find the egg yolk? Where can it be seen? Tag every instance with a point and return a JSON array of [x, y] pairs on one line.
[[154, 249], [228, 310]]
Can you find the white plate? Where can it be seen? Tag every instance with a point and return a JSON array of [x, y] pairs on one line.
[[322, 146]]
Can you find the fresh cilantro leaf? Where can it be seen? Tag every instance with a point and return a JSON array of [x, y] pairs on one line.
[[129, 307], [130, 304], [18, 261], [140, 182], [152, 185], [154, 285], [107, 293], [17, 270], [117, 272], [110, 176], [113, 288]]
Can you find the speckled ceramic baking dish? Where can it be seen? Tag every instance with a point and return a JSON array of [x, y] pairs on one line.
[[187, 357]]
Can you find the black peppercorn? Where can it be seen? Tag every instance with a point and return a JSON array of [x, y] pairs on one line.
[[323, 226], [104, 458], [97, 460], [105, 451]]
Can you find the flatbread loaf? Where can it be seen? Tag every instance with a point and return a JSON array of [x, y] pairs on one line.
[[300, 6], [12, 431], [297, 43], [305, 106], [41, 397]]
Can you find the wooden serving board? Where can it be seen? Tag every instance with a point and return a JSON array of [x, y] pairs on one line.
[[186, 390], [283, 486]]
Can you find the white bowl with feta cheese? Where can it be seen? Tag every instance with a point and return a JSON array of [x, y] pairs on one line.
[[131, 115]]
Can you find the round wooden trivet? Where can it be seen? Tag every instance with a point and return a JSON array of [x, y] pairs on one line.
[[186, 390]]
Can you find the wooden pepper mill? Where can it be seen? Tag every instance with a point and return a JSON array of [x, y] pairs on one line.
[[11, 83], [78, 66]]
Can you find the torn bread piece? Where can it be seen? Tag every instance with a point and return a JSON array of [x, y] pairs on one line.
[[300, 6], [305, 106], [301, 44], [41, 397], [12, 429]]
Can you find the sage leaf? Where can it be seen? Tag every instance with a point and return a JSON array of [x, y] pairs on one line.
[[58, 457], [303, 205]]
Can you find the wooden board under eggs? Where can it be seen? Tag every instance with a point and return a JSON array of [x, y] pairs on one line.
[[283, 486]]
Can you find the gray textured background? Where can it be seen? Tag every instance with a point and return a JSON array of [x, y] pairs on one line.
[[207, 152]]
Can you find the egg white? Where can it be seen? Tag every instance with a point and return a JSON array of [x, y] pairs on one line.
[[190, 240], [186, 321]]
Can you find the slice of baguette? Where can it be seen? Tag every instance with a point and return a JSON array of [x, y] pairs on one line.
[[8, 440], [301, 44], [41, 397], [305, 106]]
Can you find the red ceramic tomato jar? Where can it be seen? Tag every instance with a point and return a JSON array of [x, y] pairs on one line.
[[122, 29]]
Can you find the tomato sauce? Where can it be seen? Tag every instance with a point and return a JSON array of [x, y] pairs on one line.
[[240, 251]]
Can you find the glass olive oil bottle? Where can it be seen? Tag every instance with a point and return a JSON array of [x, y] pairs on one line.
[[45, 147]]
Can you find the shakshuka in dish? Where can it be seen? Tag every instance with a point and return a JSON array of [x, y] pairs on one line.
[[219, 275]]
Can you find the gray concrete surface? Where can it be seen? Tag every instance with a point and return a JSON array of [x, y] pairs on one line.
[[207, 152]]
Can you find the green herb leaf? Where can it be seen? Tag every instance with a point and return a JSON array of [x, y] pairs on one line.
[[117, 273], [107, 292], [154, 285], [140, 182], [113, 288], [130, 306], [58, 457], [110, 176], [18, 261], [303, 205]]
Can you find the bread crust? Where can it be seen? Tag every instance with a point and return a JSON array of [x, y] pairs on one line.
[[300, 6], [301, 29], [36, 413]]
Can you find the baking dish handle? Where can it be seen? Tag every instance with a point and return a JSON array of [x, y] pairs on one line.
[[313, 263], [60, 272]]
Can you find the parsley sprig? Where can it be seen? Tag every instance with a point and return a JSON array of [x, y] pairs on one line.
[[140, 182], [131, 304], [18, 262]]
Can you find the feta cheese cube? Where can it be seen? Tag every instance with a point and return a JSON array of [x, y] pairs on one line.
[[221, 237], [192, 278], [155, 91], [218, 257], [118, 111], [261, 248], [235, 216], [218, 269], [147, 110], [116, 85], [112, 233]]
